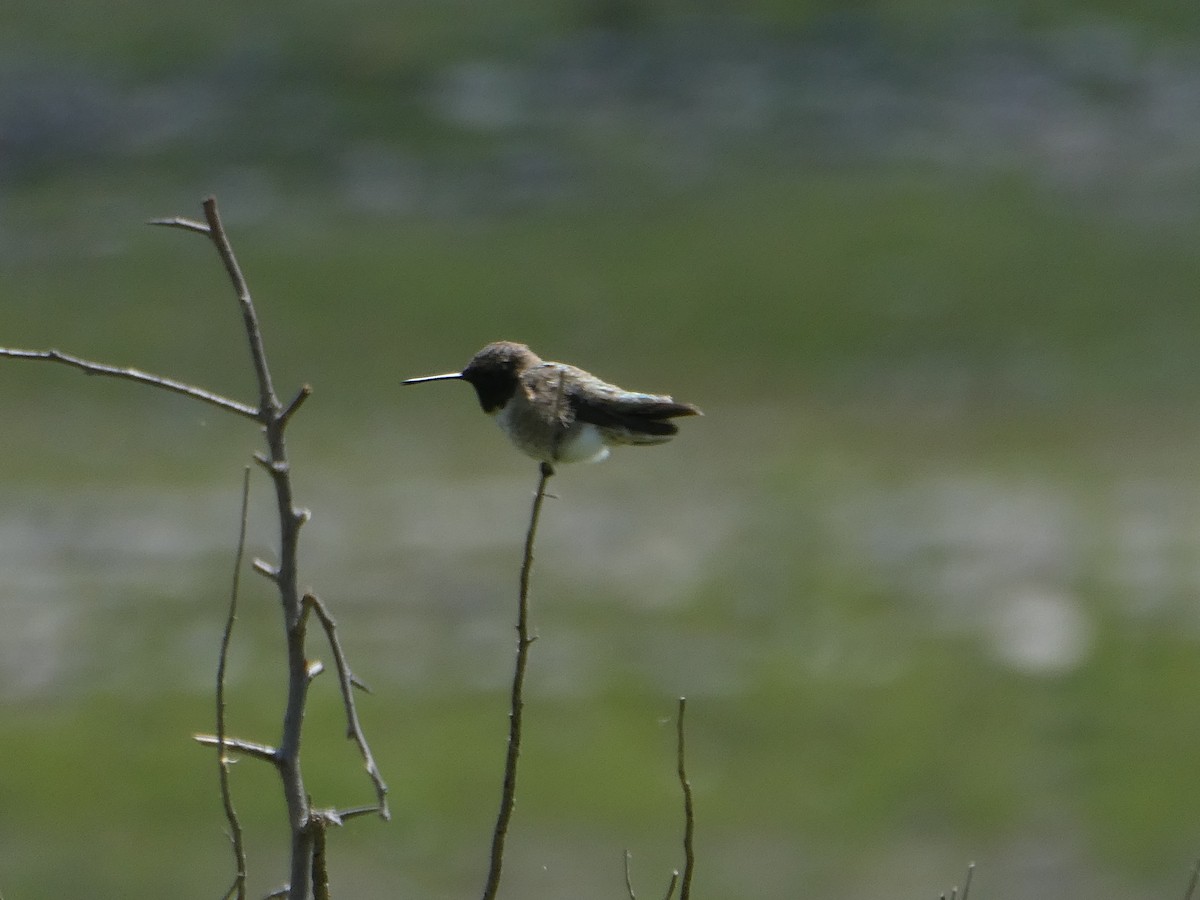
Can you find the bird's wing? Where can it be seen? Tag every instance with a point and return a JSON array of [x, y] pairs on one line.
[[608, 406]]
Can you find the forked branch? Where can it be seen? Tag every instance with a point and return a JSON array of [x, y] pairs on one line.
[[307, 833]]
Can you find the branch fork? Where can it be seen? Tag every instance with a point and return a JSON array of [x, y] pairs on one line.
[[307, 870]]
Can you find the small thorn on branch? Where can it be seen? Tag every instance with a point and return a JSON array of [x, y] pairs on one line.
[[315, 668], [181, 222], [273, 467], [354, 812], [266, 569], [290, 410], [328, 817], [265, 752]]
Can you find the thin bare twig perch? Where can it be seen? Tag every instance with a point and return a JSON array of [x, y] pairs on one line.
[[508, 793]]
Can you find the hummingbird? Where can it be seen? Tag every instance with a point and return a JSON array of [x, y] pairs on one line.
[[554, 412]]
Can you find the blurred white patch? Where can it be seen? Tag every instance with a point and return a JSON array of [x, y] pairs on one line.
[[1040, 630], [482, 95], [35, 646]]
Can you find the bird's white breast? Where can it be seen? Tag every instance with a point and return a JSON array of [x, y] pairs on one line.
[[581, 442]]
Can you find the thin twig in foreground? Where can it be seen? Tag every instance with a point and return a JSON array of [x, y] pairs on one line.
[[238, 888], [1193, 881], [89, 367], [508, 794], [966, 888], [346, 682], [628, 879], [689, 818]]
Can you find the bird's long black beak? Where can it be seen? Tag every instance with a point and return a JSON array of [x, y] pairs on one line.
[[449, 376]]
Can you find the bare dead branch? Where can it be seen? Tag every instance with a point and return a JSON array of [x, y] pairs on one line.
[[238, 889], [508, 794], [307, 845], [671, 887], [346, 682], [268, 401], [689, 818], [287, 755], [90, 367], [265, 752]]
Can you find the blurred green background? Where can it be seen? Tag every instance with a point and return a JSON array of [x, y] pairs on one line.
[[927, 570]]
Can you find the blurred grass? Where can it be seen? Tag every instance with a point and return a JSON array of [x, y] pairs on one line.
[[358, 43], [823, 283]]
